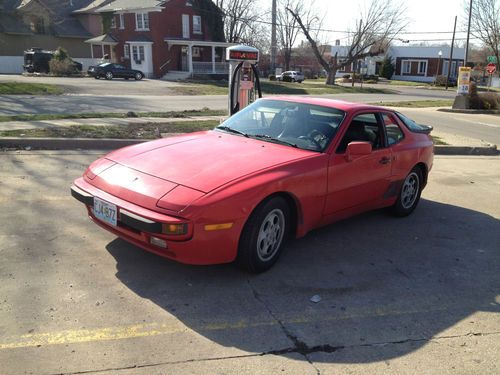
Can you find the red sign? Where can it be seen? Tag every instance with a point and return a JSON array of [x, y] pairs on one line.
[[491, 68], [241, 55]]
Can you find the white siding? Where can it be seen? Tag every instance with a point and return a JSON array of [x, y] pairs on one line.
[[11, 64]]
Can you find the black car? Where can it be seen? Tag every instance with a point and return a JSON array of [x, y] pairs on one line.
[[111, 70]]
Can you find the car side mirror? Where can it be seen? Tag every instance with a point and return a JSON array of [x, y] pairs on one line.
[[356, 149]]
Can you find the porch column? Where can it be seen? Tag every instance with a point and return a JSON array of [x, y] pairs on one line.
[[213, 59], [102, 49], [92, 51], [190, 59]]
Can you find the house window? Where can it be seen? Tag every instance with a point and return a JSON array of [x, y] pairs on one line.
[[185, 26], [196, 51], [422, 67], [37, 25], [197, 24], [122, 21], [138, 53], [126, 51], [113, 22], [142, 21], [189, 3], [406, 67]]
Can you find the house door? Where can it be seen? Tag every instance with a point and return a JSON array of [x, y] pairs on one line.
[[141, 58], [184, 59], [185, 26]]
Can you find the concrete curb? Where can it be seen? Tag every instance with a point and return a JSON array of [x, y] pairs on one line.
[[67, 143], [471, 111], [113, 144], [465, 150]]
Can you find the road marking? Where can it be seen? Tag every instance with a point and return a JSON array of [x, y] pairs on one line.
[[156, 329]]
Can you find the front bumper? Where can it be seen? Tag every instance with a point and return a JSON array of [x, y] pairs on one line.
[[137, 225]]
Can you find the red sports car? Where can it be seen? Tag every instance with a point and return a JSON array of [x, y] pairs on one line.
[[277, 169]]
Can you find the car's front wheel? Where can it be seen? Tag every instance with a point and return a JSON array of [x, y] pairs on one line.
[[109, 76], [97, 76], [410, 192], [138, 76], [263, 236]]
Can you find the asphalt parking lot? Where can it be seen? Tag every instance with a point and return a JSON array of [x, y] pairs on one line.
[[413, 295]]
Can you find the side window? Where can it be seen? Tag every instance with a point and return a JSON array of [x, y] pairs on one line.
[[394, 133], [363, 128]]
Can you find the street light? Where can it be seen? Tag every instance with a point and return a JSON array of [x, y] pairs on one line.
[[440, 53]]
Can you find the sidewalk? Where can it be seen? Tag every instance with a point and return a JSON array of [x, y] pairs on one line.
[[455, 145]]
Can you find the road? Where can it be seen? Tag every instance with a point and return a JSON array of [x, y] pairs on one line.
[[477, 126], [413, 295]]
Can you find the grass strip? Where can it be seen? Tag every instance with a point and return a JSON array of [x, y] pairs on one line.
[[417, 103], [274, 87], [23, 88], [130, 131], [63, 116]]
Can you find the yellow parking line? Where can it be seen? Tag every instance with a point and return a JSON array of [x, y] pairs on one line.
[[155, 329]]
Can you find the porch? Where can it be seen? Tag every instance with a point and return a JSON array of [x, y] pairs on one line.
[[191, 49]]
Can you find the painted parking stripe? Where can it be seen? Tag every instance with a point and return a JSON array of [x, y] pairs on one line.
[[155, 329]]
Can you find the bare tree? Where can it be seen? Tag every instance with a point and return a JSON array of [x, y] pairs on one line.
[[485, 24], [376, 27], [240, 20], [288, 27]]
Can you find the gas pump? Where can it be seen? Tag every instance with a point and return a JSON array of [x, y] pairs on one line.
[[244, 81]]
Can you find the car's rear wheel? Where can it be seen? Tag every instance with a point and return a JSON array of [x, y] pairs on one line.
[[138, 76], [264, 234], [410, 192], [97, 77], [109, 76]]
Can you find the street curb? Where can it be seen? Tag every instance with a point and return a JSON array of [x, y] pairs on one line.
[[68, 143], [471, 111], [465, 150], [112, 144]]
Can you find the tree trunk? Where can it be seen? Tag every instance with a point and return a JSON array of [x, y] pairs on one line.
[[330, 78]]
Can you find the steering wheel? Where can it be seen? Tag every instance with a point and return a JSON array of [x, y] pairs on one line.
[[313, 136]]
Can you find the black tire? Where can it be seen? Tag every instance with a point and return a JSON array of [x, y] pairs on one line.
[[409, 194], [271, 221], [138, 76], [97, 77], [126, 78], [109, 76]]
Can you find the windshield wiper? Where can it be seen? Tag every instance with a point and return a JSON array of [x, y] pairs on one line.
[[231, 130], [275, 140]]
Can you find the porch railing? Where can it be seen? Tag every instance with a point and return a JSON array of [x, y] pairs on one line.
[[209, 68]]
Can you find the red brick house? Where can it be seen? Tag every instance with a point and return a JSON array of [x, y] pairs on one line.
[[157, 37]]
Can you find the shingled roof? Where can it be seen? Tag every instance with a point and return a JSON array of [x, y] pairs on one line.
[[63, 22], [122, 5]]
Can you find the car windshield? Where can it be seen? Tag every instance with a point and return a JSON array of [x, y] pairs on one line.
[[301, 125], [104, 64]]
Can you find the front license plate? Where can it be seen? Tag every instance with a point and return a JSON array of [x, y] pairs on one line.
[[105, 211]]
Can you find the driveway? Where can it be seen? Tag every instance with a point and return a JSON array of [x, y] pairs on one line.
[[420, 294]]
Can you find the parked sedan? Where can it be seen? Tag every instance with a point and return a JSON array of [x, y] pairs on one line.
[[279, 168], [291, 76], [111, 70]]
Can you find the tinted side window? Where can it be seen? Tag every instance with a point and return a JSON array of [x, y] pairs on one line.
[[394, 133]]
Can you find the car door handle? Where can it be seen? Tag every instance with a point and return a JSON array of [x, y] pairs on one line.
[[385, 160]]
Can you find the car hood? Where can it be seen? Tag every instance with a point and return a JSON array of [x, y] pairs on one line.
[[205, 161]]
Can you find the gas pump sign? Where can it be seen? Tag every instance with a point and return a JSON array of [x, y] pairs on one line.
[[242, 55], [464, 74]]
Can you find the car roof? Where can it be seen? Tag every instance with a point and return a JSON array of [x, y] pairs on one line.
[[332, 103]]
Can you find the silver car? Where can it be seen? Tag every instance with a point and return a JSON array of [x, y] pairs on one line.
[[291, 76]]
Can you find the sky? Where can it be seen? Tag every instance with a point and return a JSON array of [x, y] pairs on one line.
[[423, 15]]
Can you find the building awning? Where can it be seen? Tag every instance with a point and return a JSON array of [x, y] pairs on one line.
[[103, 39]]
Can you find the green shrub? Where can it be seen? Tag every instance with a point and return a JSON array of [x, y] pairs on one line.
[[487, 100], [387, 68], [287, 79], [272, 77], [371, 81], [346, 76], [61, 67]]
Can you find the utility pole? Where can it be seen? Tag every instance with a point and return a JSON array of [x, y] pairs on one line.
[[451, 53], [468, 34], [273, 39]]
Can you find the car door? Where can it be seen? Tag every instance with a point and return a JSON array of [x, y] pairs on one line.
[[362, 179], [119, 71]]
